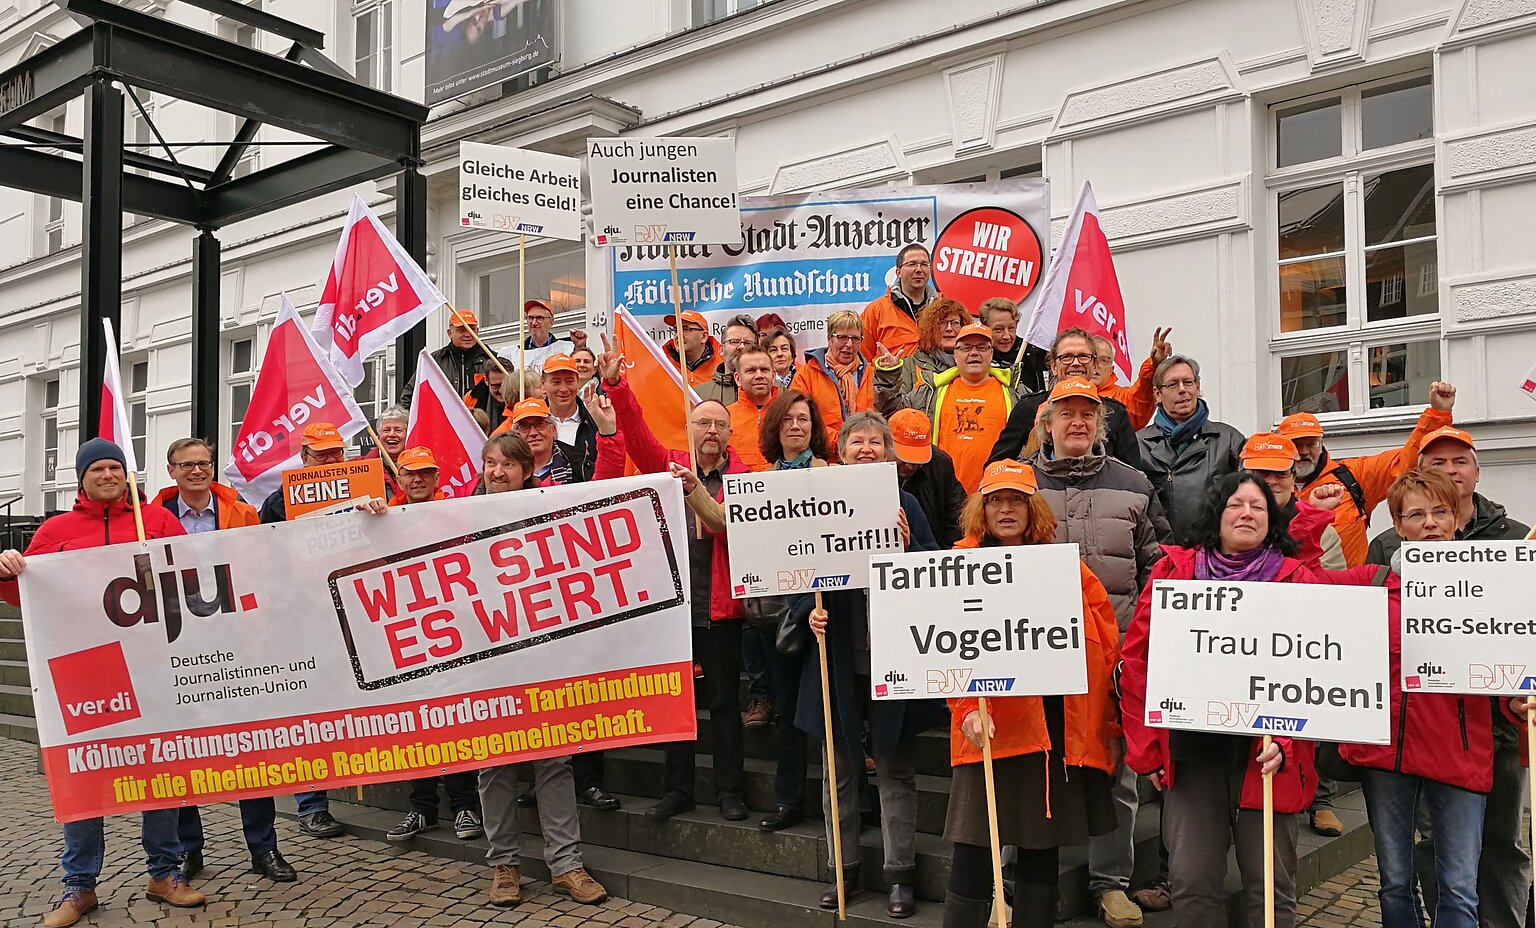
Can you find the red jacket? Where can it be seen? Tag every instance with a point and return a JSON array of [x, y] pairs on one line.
[[651, 458], [233, 511], [93, 525], [1307, 527], [1146, 749], [1444, 738]]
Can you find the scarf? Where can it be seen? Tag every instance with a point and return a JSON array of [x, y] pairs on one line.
[[847, 380], [942, 360], [1180, 434], [1260, 564], [1076, 468], [800, 461]]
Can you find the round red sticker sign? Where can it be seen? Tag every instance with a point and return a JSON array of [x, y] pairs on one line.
[[984, 253]]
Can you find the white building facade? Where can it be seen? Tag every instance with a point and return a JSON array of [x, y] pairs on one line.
[[1332, 202]]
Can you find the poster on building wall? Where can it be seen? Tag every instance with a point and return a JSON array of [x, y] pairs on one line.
[[479, 43], [804, 256], [355, 648]]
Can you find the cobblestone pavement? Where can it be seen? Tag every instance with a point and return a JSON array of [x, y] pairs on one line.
[[343, 883], [1347, 899]]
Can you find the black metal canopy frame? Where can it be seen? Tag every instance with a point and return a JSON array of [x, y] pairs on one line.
[[363, 134]]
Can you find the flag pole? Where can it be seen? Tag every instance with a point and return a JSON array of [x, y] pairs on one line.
[[522, 321], [682, 370], [483, 346], [133, 495], [826, 720], [379, 444], [1269, 843], [997, 849]]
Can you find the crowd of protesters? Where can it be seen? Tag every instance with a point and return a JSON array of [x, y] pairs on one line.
[[995, 442]]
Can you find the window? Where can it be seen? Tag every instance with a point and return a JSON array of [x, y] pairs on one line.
[[373, 43], [242, 377], [53, 222], [50, 416], [373, 397], [138, 407], [708, 11], [1357, 269], [556, 273]]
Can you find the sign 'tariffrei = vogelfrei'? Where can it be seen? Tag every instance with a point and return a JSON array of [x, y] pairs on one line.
[[517, 190], [664, 191]]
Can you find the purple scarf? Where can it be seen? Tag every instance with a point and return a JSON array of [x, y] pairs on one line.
[[1260, 564]]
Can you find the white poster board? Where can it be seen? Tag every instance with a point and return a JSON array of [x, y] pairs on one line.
[[1469, 619], [664, 191], [1269, 658], [793, 531], [517, 190], [980, 622]]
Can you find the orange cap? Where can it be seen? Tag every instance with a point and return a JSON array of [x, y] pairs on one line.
[[322, 436], [1009, 474], [1300, 425], [913, 434], [690, 317], [529, 304], [1268, 451], [463, 317], [1075, 386], [416, 459], [974, 329], [530, 409], [560, 362], [1451, 432]]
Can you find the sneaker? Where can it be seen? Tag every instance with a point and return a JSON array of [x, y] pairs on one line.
[[175, 890], [1326, 823], [1118, 911], [412, 825], [321, 824], [579, 885], [759, 713], [506, 886], [72, 907], [467, 825]]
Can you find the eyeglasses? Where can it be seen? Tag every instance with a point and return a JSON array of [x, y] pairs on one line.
[[917, 264], [538, 317], [195, 465], [973, 348], [847, 338], [718, 425], [1186, 384], [951, 324], [739, 342], [1077, 358], [1418, 516]]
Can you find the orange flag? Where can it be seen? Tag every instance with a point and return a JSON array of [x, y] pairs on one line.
[[658, 386]]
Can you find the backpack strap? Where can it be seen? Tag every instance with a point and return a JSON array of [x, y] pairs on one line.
[[1356, 491]]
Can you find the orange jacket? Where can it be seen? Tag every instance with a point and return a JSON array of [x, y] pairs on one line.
[[705, 369], [886, 324], [818, 382], [1092, 719], [746, 416], [1375, 474], [1137, 398], [233, 511], [399, 498]]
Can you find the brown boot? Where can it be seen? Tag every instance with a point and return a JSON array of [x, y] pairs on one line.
[[1326, 823], [175, 890], [72, 907], [579, 885], [506, 886]]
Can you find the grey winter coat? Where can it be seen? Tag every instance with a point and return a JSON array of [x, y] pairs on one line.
[[1181, 477], [1107, 508]]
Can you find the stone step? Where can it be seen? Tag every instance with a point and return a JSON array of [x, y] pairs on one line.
[[13, 649], [19, 727], [15, 673], [930, 748], [10, 628], [16, 700]]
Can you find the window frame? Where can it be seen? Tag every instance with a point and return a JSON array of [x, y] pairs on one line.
[[52, 238], [383, 397], [697, 15], [137, 397], [234, 379], [1358, 336], [381, 55]]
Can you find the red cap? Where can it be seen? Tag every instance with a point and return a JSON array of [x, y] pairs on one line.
[[322, 436], [416, 459], [913, 435], [974, 330], [1268, 451], [560, 362], [530, 409], [1075, 386], [1300, 425], [1451, 432], [1009, 474], [690, 317]]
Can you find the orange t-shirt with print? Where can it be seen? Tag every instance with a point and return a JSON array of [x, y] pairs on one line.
[[969, 422]]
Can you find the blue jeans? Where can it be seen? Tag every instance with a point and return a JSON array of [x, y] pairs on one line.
[[756, 652], [85, 845], [258, 819], [1391, 800], [312, 802]]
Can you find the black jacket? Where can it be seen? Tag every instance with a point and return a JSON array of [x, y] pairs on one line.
[[1181, 477], [940, 494], [1015, 434], [586, 440], [461, 365]]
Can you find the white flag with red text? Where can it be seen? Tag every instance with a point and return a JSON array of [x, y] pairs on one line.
[[114, 424], [441, 422], [373, 294], [296, 387], [1081, 290]]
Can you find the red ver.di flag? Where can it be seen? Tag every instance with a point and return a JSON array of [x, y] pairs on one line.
[[374, 293], [114, 425], [440, 421], [295, 387], [1081, 289]]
